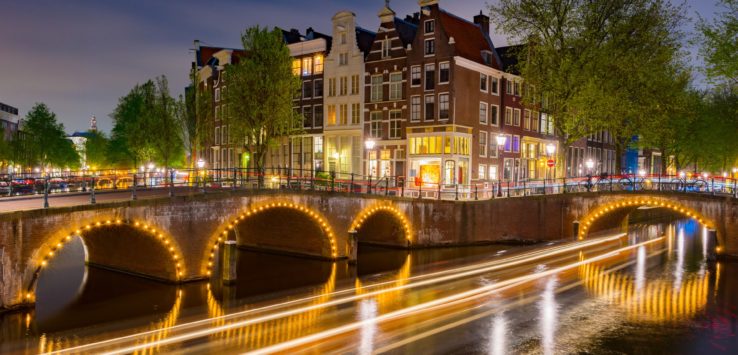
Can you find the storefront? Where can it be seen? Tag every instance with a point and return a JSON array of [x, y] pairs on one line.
[[439, 156]]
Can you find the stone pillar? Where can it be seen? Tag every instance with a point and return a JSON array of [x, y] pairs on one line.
[[353, 247], [229, 263], [711, 245], [575, 229]]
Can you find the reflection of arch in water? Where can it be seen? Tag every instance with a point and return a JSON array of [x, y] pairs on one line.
[[384, 221], [385, 299], [317, 219], [589, 222], [657, 301], [275, 331], [45, 254], [157, 331]]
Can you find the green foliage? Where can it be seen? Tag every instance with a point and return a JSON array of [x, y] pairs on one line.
[[261, 87], [148, 127], [197, 116], [720, 45], [45, 142], [96, 149]]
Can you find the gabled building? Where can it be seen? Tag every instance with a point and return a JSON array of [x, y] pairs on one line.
[[344, 99], [386, 104]]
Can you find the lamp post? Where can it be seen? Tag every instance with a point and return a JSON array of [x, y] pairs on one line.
[[501, 140], [590, 165], [551, 150], [200, 166], [369, 144]]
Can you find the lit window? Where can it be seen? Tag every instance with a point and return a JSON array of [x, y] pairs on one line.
[[354, 85], [318, 61], [344, 114], [296, 67], [482, 171], [307, 66], [331, 115], [355, 114]]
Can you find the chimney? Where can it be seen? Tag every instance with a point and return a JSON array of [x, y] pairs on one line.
[[414, 18], [483, 21]]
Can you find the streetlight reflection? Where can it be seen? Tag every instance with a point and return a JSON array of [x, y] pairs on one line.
[[549, 309], [367, 310], [640, 275], [498, 341]]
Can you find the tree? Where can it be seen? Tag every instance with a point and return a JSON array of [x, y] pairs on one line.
[[261, 87], [96, 149], [128, 146], [164, 120], [197, 116], [46, 142], [599, 65], [720, 45]]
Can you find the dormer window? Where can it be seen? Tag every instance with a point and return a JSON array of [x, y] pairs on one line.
[[386, 47], [430, 26]]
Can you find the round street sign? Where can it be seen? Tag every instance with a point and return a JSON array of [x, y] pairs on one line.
[[551, 163]]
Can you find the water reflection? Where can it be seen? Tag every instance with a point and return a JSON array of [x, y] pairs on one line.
[[367, 311], [548, 313], [498, 341]]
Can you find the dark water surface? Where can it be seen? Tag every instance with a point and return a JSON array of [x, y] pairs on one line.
[[666, 302]]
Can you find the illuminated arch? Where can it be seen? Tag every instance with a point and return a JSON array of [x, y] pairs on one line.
[[603, 210], [222, 232], [374, 209], [49, 249]]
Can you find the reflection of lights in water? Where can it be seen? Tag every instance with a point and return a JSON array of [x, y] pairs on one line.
[[670, 240], [548, 309], [679, 268], [640, 275], [367, 310], [704, 242], [497, 344]]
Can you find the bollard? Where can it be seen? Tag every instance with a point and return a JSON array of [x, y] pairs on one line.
[[92, 192], [229, 263], [353, 247], [46, 192], [575, 229]]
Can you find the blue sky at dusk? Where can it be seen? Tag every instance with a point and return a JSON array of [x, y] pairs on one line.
[[80, 56]]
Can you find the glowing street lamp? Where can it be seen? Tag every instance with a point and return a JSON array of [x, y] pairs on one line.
[[550, 149], [369, 144], [590, 165], [642, 173], [200, 166]]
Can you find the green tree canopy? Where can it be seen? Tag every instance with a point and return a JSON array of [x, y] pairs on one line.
[[96, 149], [45, 140], [719, 41], [261, 87]]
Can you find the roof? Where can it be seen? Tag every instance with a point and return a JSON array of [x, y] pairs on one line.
[[509, 57], [364, 39], [469, 37], [205, 54], [85, 134], [406, 31]]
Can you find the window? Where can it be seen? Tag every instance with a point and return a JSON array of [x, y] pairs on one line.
[[331, 87], [318, 116], [508, 87], [343, 117], [544, 123], [493, 172], [482, 144], [375, 124], [395, 131], [307, 89], [495, 85], [217, 95], [494, 115], [482, 171], [331, 115], [483, 82], [444, 74], [307, 114], [415, 76], [377, 88], [430, 26], [296, 66], [318, 62], [508, 143], [355, 114], [307, 66], [517, 88], [443, 111], [526, 120], [395, 86], [217, 135], [386, 47], [534, 121], [354, 85], [430, 47], [516, 144], [516, 117], [508, 116], [318, 88], [482, 113], [430, 107], [343, 89], [415, 108], [217, 113], [343, 37], [430, 76], [343, 59]]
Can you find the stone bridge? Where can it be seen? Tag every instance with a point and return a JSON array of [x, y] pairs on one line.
[[177, 239]]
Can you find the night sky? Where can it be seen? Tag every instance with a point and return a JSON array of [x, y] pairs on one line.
[[80, 56]]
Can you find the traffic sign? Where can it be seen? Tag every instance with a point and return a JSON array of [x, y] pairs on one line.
[[551, 163]]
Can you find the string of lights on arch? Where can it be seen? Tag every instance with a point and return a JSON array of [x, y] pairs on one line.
[[167, 243], [222, 235], [370, 211], [602, 210]]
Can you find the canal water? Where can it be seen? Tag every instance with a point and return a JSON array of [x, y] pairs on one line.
[[684, 304]]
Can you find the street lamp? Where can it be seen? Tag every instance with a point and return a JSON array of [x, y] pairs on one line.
[[369, 144], [590, 165], [501, 140], [200, 166], [551, 150], [642, 173]]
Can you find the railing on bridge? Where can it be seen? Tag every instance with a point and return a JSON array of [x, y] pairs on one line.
[[280, 178]]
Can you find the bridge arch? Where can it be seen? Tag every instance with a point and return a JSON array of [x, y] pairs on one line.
[[95, 237], [595, 216], [383, 224], [246, 223]]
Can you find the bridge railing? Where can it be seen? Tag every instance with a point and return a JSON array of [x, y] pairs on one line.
[[178, 181]]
